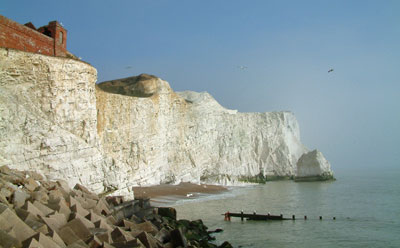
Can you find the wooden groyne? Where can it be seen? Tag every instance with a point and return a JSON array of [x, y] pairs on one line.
[[265, 217]]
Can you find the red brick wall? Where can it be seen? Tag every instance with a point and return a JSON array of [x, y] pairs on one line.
[[17, 36], [60, 45]]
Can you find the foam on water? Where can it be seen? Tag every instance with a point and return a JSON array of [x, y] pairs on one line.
[[173, 201]]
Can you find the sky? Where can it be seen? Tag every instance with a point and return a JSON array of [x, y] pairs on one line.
[[256, 56]]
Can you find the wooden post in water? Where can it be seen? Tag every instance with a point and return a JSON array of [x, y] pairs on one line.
[[320, 218], [227, 216], [305, 217], [241, 215], [293, 217]]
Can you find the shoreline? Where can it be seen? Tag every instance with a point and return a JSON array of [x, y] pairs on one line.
[[168, 193]]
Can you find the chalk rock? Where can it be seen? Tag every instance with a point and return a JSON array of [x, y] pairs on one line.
[[172, 137], [56, 121], [48, 121], [313, 166]]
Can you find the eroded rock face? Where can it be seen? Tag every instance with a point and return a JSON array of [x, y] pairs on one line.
[[48, 120], [188, 136], [55, 120], [313, 166]]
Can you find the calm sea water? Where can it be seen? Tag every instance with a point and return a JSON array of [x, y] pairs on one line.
[[366, 205]]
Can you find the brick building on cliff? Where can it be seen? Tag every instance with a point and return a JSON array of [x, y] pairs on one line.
[[48, 40]]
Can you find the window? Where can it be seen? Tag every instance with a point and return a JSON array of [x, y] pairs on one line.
[[61, 37]]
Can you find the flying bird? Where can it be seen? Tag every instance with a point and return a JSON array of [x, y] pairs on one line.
[[242, 67], [128, 67], [330, 70]]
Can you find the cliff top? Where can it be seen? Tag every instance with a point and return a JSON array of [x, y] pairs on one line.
[[143, 85]]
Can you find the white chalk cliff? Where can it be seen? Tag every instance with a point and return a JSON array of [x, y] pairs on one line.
[[313, 166], [48, 121], [136, 131]]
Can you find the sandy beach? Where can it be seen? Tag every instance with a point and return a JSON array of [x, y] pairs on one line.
[[182, 190]]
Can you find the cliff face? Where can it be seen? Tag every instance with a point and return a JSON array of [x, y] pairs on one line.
[[165, 136], [136, 131], [48, 120]]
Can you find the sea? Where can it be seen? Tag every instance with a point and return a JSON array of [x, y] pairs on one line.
[[364, 202]]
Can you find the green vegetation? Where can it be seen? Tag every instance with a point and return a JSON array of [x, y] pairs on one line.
[[108, 190], [324, 177], [261, 179]]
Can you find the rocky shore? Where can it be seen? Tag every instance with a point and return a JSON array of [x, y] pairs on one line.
[[35, 212]]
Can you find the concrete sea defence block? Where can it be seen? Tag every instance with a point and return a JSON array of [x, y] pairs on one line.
[[113, 222], [7, 240], [78, 244], [79, 228], [56, 238], [167, 212], [68, 235], [30, 184], [9, 220], [42, 239], [148, 240], [32, 209], [59, 205], [84, 220], [120, 235], [33, 243], [55, 221], [19, 197], [93, 217], [177, 238], [43, 208]]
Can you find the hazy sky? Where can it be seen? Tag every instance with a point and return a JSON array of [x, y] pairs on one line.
[[352, 114]]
